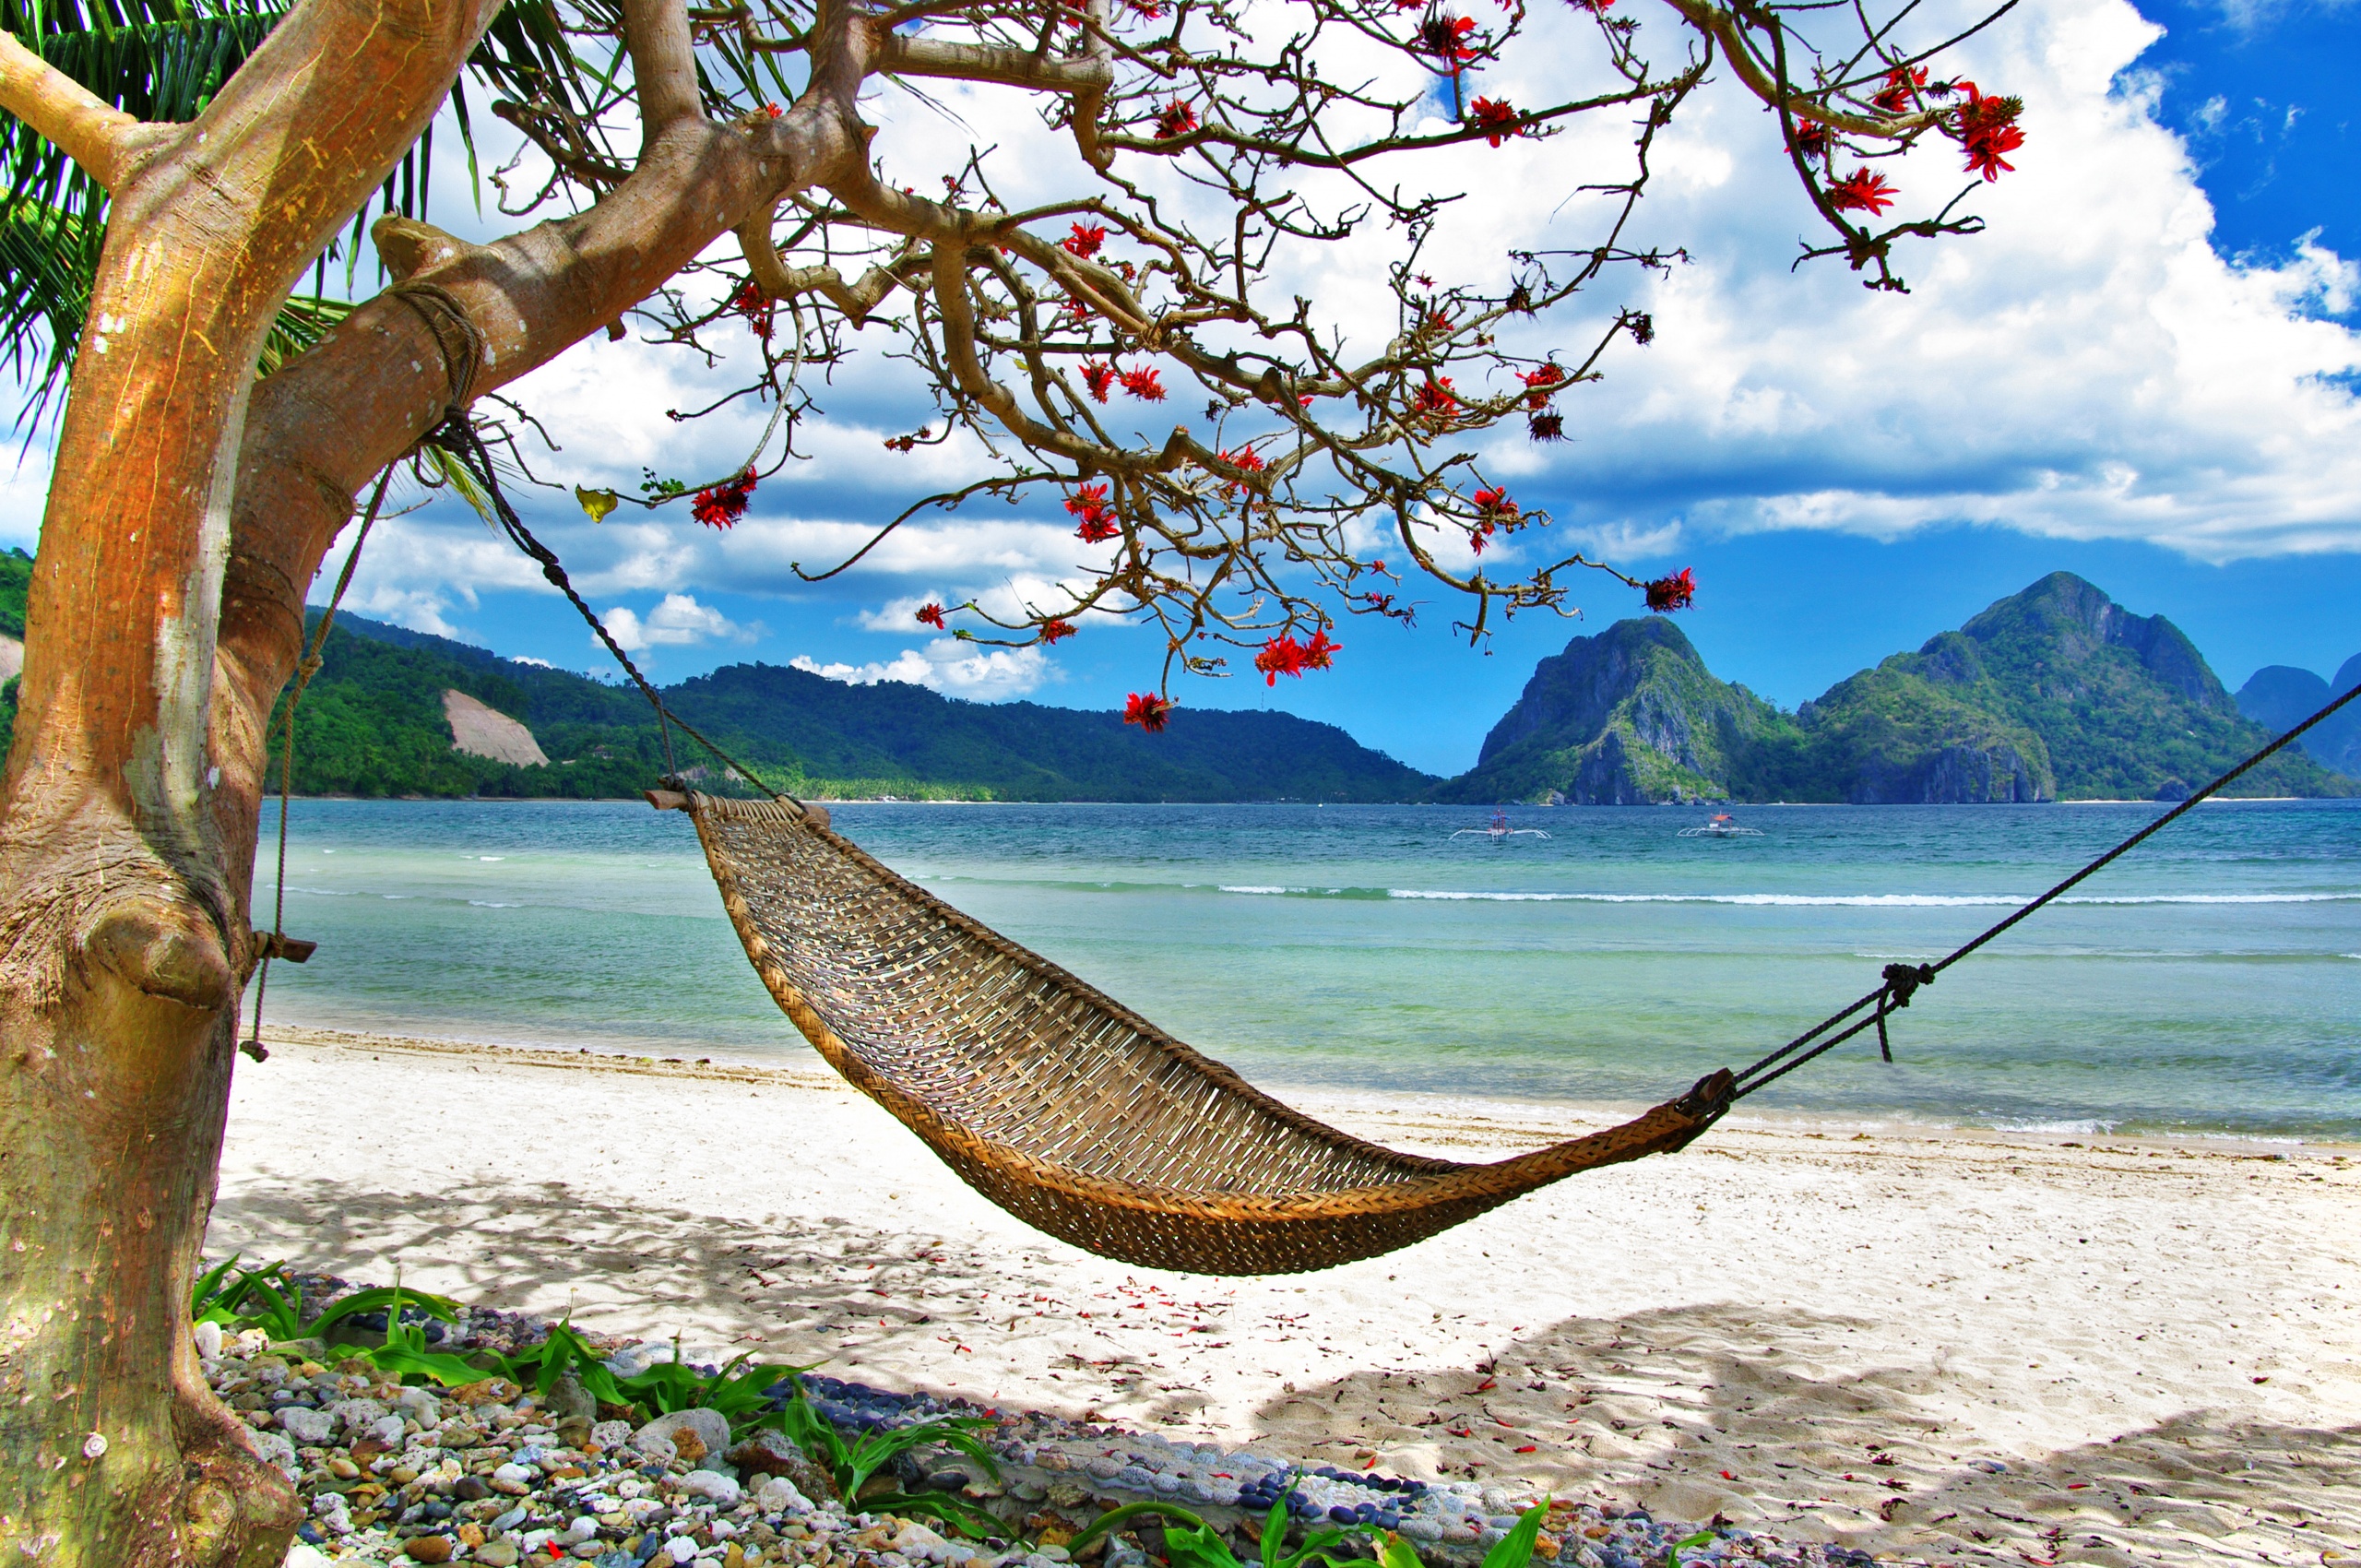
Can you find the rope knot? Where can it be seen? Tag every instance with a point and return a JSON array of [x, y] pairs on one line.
[[1903, 980]]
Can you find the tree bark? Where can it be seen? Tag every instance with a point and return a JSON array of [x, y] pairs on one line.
[[125, 839], [188, 513]]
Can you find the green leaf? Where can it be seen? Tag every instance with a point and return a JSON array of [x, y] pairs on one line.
[[388, 1299], [209, 1286], [1197, 1546], [974, 1522], [1398, 1553], [1515, 1549], [1275, 1527], [451, 1371]]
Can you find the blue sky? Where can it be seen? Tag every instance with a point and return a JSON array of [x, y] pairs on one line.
[[2143, 373]]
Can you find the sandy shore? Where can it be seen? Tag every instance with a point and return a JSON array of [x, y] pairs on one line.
[[1941, 1345]]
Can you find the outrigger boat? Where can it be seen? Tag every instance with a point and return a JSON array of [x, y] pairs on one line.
[[1719, 825], [1498, 829]]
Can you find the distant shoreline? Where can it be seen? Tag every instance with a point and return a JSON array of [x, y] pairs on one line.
[[794, 1064]]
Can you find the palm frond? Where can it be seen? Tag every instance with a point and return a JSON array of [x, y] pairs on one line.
[[165, 61]]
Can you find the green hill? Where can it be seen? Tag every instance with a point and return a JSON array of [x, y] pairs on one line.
[[1626, 717], [373, 723], [15, 581], [2281, 696], [2054, 693]]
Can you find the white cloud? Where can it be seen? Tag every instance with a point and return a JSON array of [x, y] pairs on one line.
[[2088, 367], [953, 668], [679, 622]]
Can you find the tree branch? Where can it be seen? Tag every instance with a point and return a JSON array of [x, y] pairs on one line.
[[96, 134], [898, 55], [663, 65]]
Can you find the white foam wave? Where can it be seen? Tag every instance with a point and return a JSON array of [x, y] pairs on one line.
[[492, 904], [1266, 890]]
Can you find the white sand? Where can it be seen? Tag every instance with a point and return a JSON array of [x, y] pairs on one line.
[[1817, 1331]]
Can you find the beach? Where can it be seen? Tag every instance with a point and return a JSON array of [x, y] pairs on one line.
[[1925, 1342]]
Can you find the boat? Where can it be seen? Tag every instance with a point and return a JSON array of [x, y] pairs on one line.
[[1498, 831], [1720, 825]]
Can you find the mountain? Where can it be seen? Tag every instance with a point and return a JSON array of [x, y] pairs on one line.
[[1628, 715], [2054, 693], [1027, 752], [2280, 696], [16, 582], [378, 719]]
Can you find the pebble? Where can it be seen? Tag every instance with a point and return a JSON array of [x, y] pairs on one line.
[[308, 1429], [723, 1491], [491, 1474]]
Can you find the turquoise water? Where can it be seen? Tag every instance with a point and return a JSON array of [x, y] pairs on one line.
[[2211, 981]]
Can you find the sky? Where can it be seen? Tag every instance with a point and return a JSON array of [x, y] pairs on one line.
[[2145, 370]]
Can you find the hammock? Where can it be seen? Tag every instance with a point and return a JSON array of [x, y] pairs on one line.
[[1060, 1105], [1064, 1107]]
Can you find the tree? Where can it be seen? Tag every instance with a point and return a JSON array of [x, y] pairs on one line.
[[164, 209]]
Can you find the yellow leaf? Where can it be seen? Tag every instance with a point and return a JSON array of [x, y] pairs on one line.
[[598, 503]]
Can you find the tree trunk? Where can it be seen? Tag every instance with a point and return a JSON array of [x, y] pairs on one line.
[[166, 613], [126, 828]]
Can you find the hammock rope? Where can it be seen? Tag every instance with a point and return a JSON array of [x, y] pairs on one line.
[[1073, 1113], [1902, 980]]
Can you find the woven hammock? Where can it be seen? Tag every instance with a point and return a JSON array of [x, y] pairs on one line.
[[1064, 1107]]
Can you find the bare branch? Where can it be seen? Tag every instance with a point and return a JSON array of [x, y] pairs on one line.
[[101, 138]]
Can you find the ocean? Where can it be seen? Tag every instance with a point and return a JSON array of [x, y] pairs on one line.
[[2209, 982]]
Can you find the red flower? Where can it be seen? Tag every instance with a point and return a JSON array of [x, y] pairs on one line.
[[1988, 129], [1435, 401], [1245, 457], [931, 614], [1495, 504], [1551, 426], [1495, 118], [1151, 9], [1090, 503], [1142, 384], [1445, 37], [757, 307], [723, 505], [1176, 120], [1814, 139], [1901, 86], [1098, 378], [1285, 656], [1540, 384], [1985, 153], [1675, 592], [1595, 7], [1150, 712], [1863, 190], [1051, 631], [1084, 241], [773, 109]]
